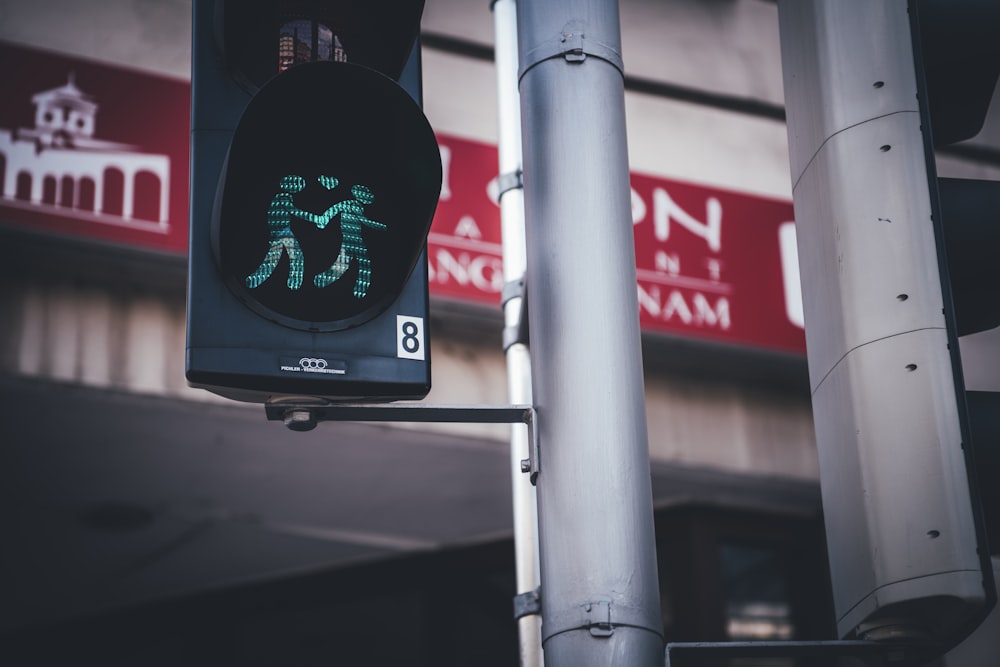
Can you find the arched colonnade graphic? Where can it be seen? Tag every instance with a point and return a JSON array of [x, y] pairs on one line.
[[130, 186]]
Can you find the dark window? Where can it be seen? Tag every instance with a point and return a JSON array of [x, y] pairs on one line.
[[23, 186], [114, 191], [49, 190], [756, 590], [86, 202], [147, 196], [66, 193], [729, 575]]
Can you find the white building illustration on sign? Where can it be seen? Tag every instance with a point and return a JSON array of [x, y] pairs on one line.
[[58, 165]]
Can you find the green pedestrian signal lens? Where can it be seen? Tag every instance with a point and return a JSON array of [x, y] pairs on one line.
[[329, 189]]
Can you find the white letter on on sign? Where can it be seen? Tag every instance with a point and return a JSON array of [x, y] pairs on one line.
[[664, 208]]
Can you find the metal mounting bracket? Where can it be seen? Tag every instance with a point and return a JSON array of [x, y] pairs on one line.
[[573, 47], [528, 603], [516, 333], [511, 180], [599, 617], [301, 413]]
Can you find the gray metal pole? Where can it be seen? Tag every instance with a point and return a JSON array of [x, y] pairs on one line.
[[600, 596], [518, 360]]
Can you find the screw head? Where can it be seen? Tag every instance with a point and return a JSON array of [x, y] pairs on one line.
[[300, 419]]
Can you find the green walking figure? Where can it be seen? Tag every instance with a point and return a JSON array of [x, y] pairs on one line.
[[281, 237], [352, 217]]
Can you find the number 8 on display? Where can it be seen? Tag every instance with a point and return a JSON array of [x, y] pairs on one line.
[[409, 337]]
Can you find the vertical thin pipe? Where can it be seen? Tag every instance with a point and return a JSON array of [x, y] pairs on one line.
[[518, 358]]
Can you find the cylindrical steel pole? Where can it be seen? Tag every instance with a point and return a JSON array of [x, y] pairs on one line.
[[600, 596], [518, 360]]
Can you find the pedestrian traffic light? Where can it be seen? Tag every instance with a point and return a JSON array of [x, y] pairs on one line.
[[314, 179]]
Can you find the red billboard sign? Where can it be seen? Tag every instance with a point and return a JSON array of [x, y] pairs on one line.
[[463, 248], [712, 264], [716, 264], [101, 152]]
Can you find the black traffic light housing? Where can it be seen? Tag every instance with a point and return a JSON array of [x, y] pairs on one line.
[[957, 56], [314, 179]]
